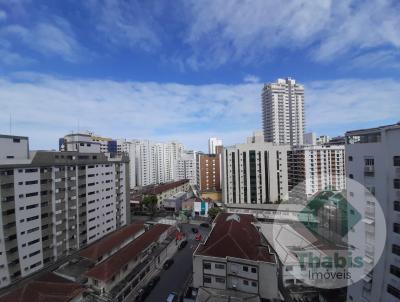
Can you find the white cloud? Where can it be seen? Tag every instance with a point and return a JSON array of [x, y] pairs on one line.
[[127, 24], [46, 107], [251, 79], [340, 104], [3, 15], [246, 32], [51, 38], [382, 59]]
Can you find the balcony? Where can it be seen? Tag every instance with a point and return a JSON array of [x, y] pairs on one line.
[[369, 171]]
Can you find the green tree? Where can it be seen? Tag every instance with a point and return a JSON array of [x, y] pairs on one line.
[[213, 212], [150, 202]]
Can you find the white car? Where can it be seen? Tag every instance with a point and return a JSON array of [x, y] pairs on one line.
[[172, 297]]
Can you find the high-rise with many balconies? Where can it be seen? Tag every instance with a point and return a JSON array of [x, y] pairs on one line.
[[283, 112], [373, 160], [54, 203]]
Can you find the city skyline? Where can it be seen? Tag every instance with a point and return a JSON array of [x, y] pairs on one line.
[[104, 66]]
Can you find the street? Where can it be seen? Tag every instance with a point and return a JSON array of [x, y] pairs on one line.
[[173, 279]]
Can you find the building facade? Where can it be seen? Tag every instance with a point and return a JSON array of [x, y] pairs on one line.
[[209, 171], [213, 142], [317, 168], [373, 160], [53, 203], [187, 167], [255, 173], [235, 257], [283, 112]]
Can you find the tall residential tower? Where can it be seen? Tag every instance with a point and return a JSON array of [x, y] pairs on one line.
[[283, 112]]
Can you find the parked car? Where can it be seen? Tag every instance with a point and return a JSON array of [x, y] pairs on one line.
[[182, 244], [168, 263], [198, 237], [205, 225], [172, 297], [195, 230], [153, 282], [142, 294]]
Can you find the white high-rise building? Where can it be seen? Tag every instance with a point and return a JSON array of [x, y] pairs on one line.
[[54, 203], [187, 167], [373, 159], [283, 112], [157, 162], [257, 137], [213, 142], [255, 173], [317, 168]]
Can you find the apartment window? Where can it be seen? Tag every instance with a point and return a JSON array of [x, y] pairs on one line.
[[220, 266], [245, 269], [16, 140], [369, 161], [95, 282], [219, 280], [245, 282], [254, 283], [396, 228], [32, 206], [396, 161], [31, 182], [397, 205], [394, 270], [254, 270], [207, 265], [396, 249], [351, 176], [31, 170], [32, 218], [393, 291], [33, 241], [34, 253], [207, 279], [350, 158], [396, 183], [32, 194]]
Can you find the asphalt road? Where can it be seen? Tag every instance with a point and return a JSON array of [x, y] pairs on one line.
[[173, 279]]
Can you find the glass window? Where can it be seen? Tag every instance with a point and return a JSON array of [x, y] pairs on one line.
[[245, 269], [396, 161], [207, 265], [207, 279]]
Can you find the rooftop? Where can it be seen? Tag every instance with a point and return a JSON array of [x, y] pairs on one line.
[[234, 235], [158, 189], [108, 268], [115, 239], [47, 288], [376, 129]]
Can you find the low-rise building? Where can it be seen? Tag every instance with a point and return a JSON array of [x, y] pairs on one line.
[[47, 287], [236, 256], [166, 190], [116, 276]]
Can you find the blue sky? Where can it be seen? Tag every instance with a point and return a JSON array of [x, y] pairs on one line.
[[188, 70]]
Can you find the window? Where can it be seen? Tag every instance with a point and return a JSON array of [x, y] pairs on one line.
[[369, 161], [393, 291], [95, 282], [32, 218], [396, 249], [219, 280], [396, 161], [396, 183], [351, 176], [350, 158], [16, 140], [219, 266], [33, 241], [289, 268], [207, 265], [245, 282], [397, 205], [245, 269], [254, 283], [394, 270], [207, 279], [254, 270], [396, 228]]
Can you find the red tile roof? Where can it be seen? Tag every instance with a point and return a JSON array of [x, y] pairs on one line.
[[108, 268], [155, 190], [234, 235], [115, 239], [47, 288]]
